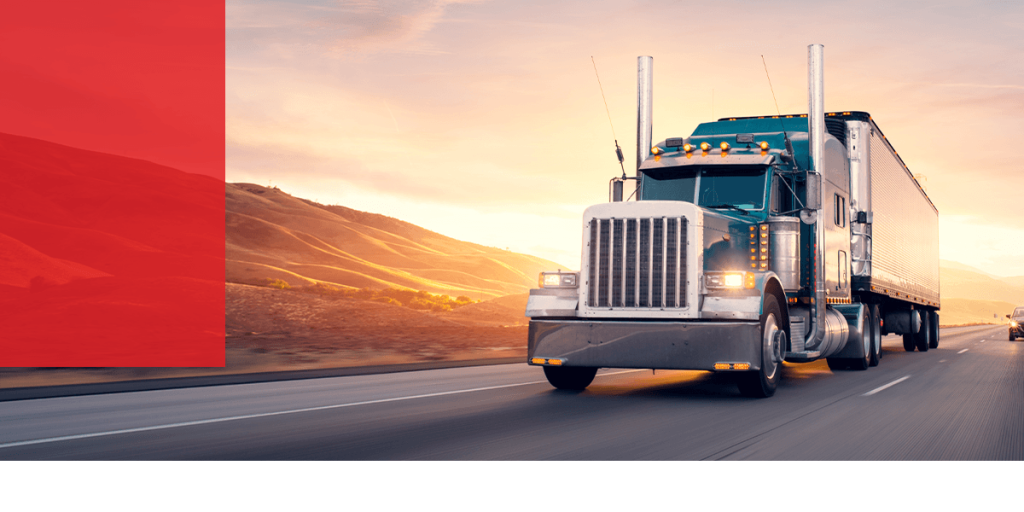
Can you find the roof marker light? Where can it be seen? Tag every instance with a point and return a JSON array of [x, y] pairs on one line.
[[724, 145], [764, 145], [704, 146]]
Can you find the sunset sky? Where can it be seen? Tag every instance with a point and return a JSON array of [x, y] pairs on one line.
[[483, 120]]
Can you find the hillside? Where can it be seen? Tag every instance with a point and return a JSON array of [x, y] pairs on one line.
[[273, 235], [107, 260], [971, 296]]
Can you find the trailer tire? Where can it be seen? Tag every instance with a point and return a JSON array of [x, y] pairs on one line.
[[908, 342], [922, 338], [934, 342], [573, 378], [763, 382], [876, 335]]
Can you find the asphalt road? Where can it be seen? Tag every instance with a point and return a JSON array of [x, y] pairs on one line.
[[962, 401]]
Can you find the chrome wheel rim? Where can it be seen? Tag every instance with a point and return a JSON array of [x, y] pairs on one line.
[[771, 357]]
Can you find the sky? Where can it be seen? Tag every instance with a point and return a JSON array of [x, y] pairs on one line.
[[484, 121]]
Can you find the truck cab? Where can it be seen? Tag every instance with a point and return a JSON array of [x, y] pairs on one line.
[[751, 242]]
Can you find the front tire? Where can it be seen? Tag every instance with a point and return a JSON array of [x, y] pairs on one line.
[[762, 383], [573, 378]]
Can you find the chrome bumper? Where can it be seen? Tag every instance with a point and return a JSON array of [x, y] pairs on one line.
[[692, 345]]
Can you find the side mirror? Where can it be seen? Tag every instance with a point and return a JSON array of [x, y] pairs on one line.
[[812, 201], [1007, 316]]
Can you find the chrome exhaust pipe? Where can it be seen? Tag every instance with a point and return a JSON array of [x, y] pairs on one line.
[[816, 145], [644, 107]]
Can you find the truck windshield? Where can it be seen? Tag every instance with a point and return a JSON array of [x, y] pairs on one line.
[[1018, 314], [720, 187]]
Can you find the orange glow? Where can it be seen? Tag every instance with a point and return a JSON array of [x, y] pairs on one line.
[[741, 366]]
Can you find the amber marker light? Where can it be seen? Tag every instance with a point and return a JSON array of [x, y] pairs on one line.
[[764, 145], [722, 366], [555, 362], [750, 280], [741, 366], [704, 146], [687, 148], [724, 145], [656, 150], [537, 360]]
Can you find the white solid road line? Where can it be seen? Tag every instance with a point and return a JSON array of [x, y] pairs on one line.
[[267, 414], [869, 393], [962, 351]]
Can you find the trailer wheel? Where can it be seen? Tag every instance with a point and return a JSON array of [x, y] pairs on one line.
[[876, 335], [908, 342], [762, 383], [934, 342], [575, 378], [923, 339]]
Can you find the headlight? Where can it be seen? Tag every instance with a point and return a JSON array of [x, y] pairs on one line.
[[1013, 324], [730, 280], [558, 279]]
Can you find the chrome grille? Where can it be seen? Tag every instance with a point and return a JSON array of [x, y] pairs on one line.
[[637, 263]]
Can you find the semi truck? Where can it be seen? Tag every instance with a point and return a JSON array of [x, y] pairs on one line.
[[753, 241]]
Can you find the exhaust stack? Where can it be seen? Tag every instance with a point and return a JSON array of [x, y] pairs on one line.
[[816, 105], [644, 107], [828, 334]]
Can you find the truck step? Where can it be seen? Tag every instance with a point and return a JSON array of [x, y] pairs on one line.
[[803, 357]]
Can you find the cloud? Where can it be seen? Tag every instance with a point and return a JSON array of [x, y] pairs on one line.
[[352, 28]]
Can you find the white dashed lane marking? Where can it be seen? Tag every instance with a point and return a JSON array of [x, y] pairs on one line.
[[893, 383]]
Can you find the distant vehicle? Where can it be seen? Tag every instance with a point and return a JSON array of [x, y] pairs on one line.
[[754, 241], [1016, 323]]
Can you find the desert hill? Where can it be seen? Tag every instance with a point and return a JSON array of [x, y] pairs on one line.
[[273, 235], [107, 260], [970, 295]]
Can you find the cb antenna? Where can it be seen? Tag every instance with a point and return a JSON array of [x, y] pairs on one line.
[[789, 145], [618, 150]]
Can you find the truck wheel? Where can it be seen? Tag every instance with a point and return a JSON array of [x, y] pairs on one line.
[[1012, 337], [876, 335], [836, 364], [908, 342], [575, 378], [934, 342], [922, 338], [762, 383]]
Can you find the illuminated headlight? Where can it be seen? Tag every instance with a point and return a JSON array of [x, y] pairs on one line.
[[558, 279], [730, 280], [1013, 324]]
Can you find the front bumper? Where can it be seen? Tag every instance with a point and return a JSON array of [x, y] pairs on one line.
[[690, 345]]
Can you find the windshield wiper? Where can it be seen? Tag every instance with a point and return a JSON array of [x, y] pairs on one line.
[[741, 210]]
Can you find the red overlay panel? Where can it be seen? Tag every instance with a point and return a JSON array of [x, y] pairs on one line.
[[112, 184]]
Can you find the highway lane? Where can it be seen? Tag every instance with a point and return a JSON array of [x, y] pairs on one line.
[[960, 401]]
